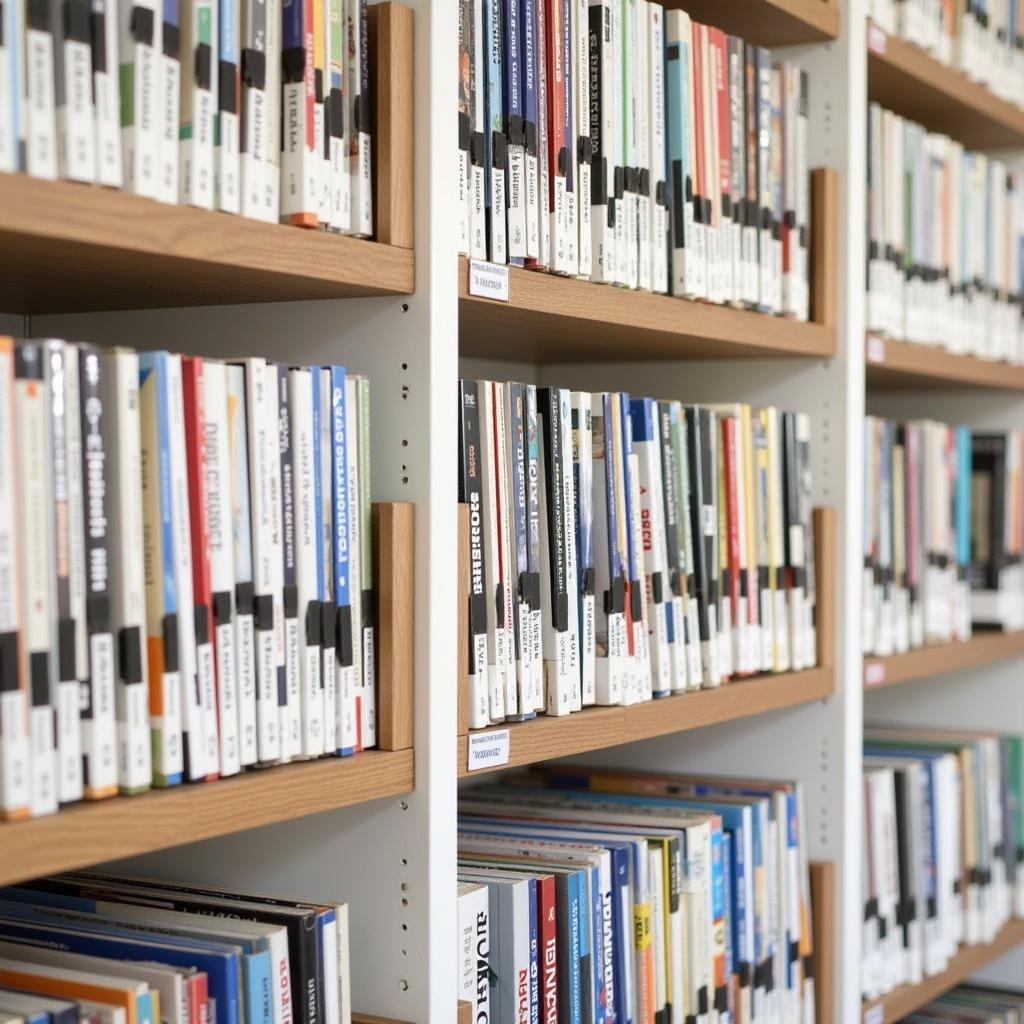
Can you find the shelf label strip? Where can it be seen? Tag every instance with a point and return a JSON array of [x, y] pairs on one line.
[[488, 749]]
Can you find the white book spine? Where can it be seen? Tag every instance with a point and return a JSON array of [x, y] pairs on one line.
[[199, 104], [571, 564], [39, 106], [328, 661], [11, 55], [140, 52], [584, 177], [359, 710], [169, 112], [360, 182], [76, 138], [107, 93], [368, 631]]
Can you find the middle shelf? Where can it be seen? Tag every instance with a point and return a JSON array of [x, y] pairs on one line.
[[597, 728], [935, 659], [890, 364]]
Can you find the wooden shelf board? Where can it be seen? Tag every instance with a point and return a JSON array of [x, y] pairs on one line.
[[598, 728], [908, 998], [67, 247], [125, 826], [768, 22], [891, 365], [554, 319], [981, 649], [907, 80]]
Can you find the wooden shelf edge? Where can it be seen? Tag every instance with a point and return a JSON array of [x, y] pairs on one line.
[[903, 364], [769, 22], [823, 931], [938, 659], [970, 959], [598, 728], [66, 246], [125, 826], [553, 319], [909, 81], [368, 1018]]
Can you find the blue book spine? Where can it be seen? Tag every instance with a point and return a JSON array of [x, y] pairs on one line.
[[326, 923], [963, 498], [494, 115], [622, 930], [339, 474], [534, 957], [259, 999], [221, 966], [512, 94], [597, 946], [528, 52], [575, 1007], [318, 483], [292, 35], [144, 1008]]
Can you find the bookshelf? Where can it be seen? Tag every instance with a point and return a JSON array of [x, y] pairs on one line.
[[907, 80], [770, 22], [969, 960], [982, 649], [902, 364]]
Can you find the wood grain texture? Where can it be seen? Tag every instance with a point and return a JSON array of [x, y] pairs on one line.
[[908, 998], [70, 247], [463, 622], [891, 365], [465, 1012], [393, 531], [554, 319], [824, 522], [982, 649], [908, 81], [366, 1018], [124, 826], [824, 224], [823, 925], [391, 95], [768, 22]]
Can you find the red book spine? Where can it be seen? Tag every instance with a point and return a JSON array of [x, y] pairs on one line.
[[195, 453], [197, 989], [548, 921], [721, 50], [556, 93], [732, 520]]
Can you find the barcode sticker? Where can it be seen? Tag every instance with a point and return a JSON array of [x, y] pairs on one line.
[[875, 349], [488, 280], [874, 673], [876, 42], [874, 1014], [488, 749]]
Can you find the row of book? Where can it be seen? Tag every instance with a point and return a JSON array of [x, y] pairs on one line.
[[106, 949], [945, 228], [943, 848], [622, 549], [943, 533], [620, 141], [186, 569], [590, 895], [254, 107], [972, 1004], [984, 41]]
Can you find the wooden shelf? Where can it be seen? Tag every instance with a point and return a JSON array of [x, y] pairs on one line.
[[981, 649], [68, 247], [553, 319], [908, 998], [907, 80], [598, 728], [890, 365], [125, 826], [768, 22]]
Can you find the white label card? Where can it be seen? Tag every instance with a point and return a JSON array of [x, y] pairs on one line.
[[488, 280], [874, 673], [874, 1014], [876, 349], [876, 42], [488, 749]]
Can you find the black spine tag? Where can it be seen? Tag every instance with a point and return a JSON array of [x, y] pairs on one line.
[[464, 131], [39, 676], [8, 662], [66, 649], [129, 654], [202, 621], [170, 636], [204, 66], [38, 14], [77, 21], [291, 601], [314, 621], [227, 87], [344, 637], [328, 625], [97, 614], [293, 64], [171, 40], [254, 68], [264, 611], [222, 608]]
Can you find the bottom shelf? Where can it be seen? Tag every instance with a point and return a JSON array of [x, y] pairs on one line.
[[908, 998]]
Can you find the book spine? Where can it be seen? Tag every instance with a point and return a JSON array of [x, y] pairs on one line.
[[530, 50], [569, 539], [72, 65], [275, 552], [329, 615], [227, 128], [300, 159], [99, 716], [478, 146], [583, 479], [15, 768], [557, 152], [169, 103], [674, 565], [657, 187], [248, 652], [196, 173], [338, 118], [533, 547], [465, 119], [291, 711], [10, 89], [514, 129], [38, 93], [360, 713], [367, 599], [254, 126], [321, 89], [271, 209], [602, 127], [198, 704], [583, 144], [223, 623], [194, 410]]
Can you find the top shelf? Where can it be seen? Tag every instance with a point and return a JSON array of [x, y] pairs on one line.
[[907, 80], [66, 247], [768, 22], [550, 319]]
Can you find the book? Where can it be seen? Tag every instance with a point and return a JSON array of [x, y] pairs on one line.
[[198, 103]]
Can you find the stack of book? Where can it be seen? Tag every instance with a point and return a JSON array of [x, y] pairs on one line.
[[943, 848], [603, 895], [983, 41], [943, 533], [627, 144], [185, 550], [623, 549], [254, 107], [945, 228], [973, 1004], [102, 949]]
